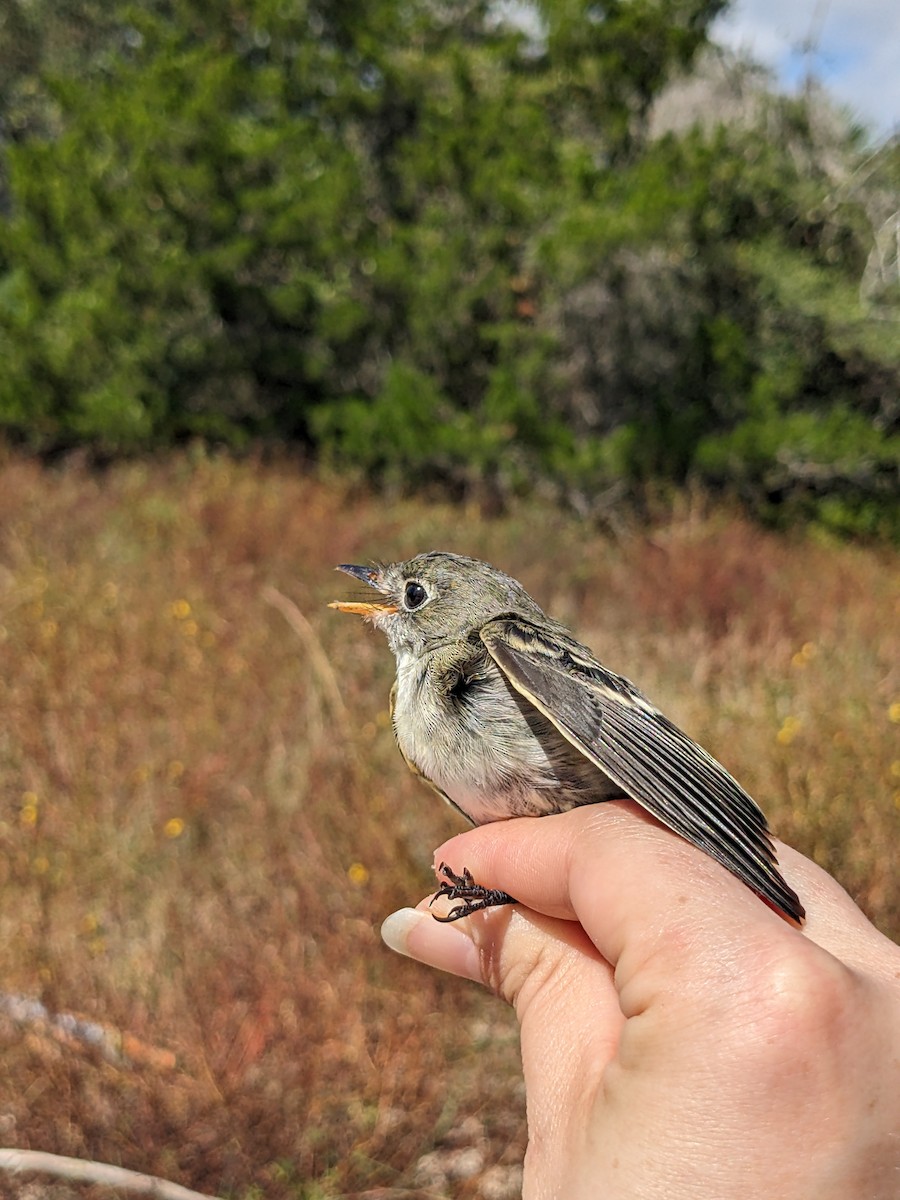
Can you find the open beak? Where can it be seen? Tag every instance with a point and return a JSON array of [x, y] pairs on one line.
[[371, 576]]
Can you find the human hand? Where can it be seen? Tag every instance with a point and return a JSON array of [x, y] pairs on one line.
[[679, 1039]]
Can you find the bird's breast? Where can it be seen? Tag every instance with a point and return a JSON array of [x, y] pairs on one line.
[[488, 749]]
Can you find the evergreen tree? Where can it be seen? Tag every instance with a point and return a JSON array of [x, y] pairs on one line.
[[436, 247]]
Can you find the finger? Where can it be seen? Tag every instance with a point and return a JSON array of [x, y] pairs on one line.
[[414, 933], [499, 947], [629, 882]]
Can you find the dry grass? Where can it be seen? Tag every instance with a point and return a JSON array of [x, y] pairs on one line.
[[201, 833]]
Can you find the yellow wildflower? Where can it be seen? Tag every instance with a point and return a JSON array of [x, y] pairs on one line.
[[788, 731], [358, 874], [28, 813], [806, 652]]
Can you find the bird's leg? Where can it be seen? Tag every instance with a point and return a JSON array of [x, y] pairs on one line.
[[473, 895]]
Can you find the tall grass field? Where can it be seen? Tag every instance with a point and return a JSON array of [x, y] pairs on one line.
[[204, 817]]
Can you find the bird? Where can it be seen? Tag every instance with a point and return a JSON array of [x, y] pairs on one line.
[[504, 713]]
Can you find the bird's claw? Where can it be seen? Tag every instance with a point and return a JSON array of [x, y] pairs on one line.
[[463, 887]]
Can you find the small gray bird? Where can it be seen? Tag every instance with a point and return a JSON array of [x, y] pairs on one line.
[[505, 714]]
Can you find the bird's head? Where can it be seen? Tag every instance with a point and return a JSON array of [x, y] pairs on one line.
[[435, 598]]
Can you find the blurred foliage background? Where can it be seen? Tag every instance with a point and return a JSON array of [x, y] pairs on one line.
[[437, 248]]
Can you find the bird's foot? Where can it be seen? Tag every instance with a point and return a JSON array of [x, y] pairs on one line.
[[474, 897]]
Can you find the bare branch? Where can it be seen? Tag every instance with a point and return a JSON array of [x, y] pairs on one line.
[[93, 1172]]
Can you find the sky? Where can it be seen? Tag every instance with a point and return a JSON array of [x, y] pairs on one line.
[[855, 54]]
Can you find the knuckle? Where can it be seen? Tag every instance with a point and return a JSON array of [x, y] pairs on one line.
[[802, 1011], [532, 968]]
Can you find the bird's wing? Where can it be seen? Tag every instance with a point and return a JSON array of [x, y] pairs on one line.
[[612, 724]]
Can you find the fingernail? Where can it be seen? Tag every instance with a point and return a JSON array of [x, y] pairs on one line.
[[396, 928]]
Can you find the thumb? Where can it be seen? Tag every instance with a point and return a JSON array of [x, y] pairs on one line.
[[514, 953], [561, 988]]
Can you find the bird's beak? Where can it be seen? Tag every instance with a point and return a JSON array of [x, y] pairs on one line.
[[372, 577]]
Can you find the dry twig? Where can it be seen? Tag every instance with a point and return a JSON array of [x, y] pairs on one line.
[[94, 1172]]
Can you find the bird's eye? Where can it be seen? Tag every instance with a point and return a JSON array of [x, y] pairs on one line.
[[415, 595]]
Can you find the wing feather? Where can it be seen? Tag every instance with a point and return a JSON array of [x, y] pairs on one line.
[[609, 721]]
